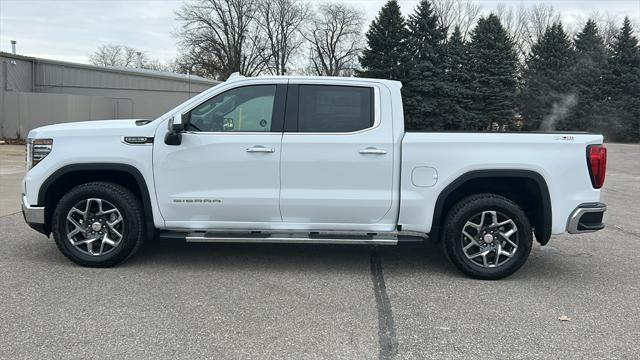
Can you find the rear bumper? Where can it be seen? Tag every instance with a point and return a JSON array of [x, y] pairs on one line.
[[33, 216], [586, 218]]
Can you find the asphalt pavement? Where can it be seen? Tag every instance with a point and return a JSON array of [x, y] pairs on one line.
[[237, 301]]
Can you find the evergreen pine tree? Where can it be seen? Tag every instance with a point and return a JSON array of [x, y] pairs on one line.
[[624, 86], [385, 50], [423, 87], [456, 112], [548, 95], [589, 76], [494, 64]]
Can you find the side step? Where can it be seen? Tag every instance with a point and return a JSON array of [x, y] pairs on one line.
[[286, 238]]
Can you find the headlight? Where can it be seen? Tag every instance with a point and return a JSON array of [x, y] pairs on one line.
[[37, 149]]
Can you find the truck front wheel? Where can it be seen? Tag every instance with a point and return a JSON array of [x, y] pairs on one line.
[[487, 236], [98, 224]]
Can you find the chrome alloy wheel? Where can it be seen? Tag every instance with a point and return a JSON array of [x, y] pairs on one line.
[[94, 226], [489, 239]]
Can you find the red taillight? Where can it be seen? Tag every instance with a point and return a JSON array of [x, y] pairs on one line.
[[597, 161]]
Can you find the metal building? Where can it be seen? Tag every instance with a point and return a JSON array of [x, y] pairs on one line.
[[36, 92]]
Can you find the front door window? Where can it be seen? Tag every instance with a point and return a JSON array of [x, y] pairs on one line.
[[243, 109]]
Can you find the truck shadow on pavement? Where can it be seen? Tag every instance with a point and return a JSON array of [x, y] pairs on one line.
[[296, 257], [424, 259], [405, 260]]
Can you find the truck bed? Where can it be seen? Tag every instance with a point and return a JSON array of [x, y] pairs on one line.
[[559, 158]]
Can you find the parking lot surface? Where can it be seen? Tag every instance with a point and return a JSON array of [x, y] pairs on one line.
[[219, 301]]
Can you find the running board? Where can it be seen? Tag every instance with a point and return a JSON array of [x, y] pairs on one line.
[[290, 238]]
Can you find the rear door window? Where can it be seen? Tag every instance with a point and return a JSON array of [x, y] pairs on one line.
[[329, 108]]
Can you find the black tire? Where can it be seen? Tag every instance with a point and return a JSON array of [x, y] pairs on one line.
[[470, 208], [132, 228]]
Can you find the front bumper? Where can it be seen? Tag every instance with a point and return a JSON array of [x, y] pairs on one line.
[[586, 218], [34, 216]]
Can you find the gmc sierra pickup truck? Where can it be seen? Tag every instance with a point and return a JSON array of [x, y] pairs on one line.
[[308, 160]]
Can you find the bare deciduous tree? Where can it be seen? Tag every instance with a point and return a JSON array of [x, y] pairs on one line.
[[539, 18], [117, 55], [281, 21], [461, 13], [526, 24], [609, 27], [157, 65], [220, 37], [445, 11], [125, 56], [335, 38], [515, 20]]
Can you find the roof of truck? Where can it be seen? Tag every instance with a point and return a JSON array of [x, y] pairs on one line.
[[237, 77]]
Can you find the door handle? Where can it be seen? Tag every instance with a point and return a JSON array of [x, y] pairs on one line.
[[372, 151], [260, 149]]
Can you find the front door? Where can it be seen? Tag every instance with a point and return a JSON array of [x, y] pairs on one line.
[[337, 158], [226, 171]]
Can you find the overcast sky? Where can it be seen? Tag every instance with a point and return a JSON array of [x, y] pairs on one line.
[[71, 29]]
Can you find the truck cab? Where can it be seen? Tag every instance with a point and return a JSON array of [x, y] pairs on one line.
[[314, 155]]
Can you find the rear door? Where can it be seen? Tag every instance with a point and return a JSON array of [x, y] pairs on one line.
[[337, 157]]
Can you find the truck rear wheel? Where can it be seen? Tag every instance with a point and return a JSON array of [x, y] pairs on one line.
[[98, 224], [487, 236]]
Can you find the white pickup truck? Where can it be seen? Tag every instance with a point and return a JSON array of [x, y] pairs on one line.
[[308, 160]]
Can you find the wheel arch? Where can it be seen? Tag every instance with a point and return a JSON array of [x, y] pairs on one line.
[[69, 176], [501, 182]]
